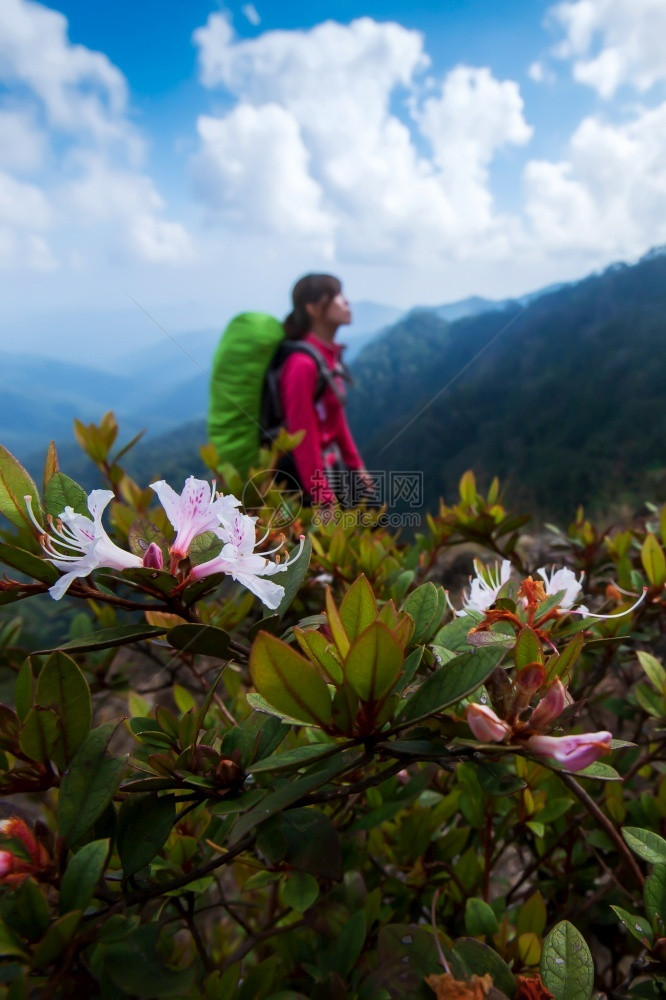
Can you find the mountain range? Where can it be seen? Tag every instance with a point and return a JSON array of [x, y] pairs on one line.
[[560, 393]]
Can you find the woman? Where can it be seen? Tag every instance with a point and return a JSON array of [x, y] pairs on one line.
[[327, 451]]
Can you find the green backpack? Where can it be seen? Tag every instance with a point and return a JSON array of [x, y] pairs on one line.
[[244, 409]]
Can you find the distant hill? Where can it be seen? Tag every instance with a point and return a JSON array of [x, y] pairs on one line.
[[563, 396]]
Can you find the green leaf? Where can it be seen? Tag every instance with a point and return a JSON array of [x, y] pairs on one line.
[[654, 670], [338, 631], [480, 919], [528, 648], [260, 704], [654, 561], [562, 665], [62, 688], [143, 533], [105, 638], [207, 640], [532, 915], [82, 875], [349, 945], [481, 960], [56, 939], [647, 845], [599, 771], [89, 785], [289, 759], [63, 492], [134, 965], [292, 578], [650, 700], [315, 644], [566, 963], [144, 823], [358, 608], [413, 662], [255, 738], [24, 691], [637, 926], [28, 563], [467, 488], [299, 891], [291, 791], [305, 840], [373, 663], [423, 605], [11, 945], [288, 681], [145, 579], [32, 910], [39, 734], [654, 897], [497, 779], [15, 484], [454, 635], [455, 680]]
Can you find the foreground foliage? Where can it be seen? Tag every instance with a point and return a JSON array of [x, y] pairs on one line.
[[368, 789]]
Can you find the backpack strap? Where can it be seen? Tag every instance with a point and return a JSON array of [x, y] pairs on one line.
[[272, 413], [325, 376]]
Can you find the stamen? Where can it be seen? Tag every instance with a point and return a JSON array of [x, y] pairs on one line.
[[28, 503], [590, 614]]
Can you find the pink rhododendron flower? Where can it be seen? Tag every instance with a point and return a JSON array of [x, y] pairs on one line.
[[485, 587], [243, 564], [574, 752], [196, 510], [76, 544], [551, 705], [485, 724]]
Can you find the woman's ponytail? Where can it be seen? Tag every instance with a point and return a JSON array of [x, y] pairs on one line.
[[309, 290]]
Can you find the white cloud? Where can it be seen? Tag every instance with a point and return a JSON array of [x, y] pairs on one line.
[[249, 11], [609, 195], [22, 142], [65, 125], [22, 205], [255, 157], [80, 90], [474, 116], [315, 136], [614, 42]]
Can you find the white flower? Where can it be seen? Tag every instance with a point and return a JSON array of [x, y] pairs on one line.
[[562, 579], [483, 592], [196, 510], [76, 545], [243, 564]]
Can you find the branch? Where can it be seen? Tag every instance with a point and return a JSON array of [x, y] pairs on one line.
[[604, 822]]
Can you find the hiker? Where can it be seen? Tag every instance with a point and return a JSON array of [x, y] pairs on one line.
[[266, 374], [327, 463]]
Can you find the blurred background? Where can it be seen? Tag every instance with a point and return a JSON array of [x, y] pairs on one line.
[[489, 181]]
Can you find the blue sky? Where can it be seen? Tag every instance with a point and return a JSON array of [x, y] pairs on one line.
[[200, 156]]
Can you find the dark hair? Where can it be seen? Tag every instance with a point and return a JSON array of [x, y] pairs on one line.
[[309, 290]]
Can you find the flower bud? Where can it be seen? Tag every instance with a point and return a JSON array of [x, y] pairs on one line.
[[574, 752], [485, 724], [550, 706], [153, 558]]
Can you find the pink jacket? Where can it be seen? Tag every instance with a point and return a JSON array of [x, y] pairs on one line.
[[324, 422]]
